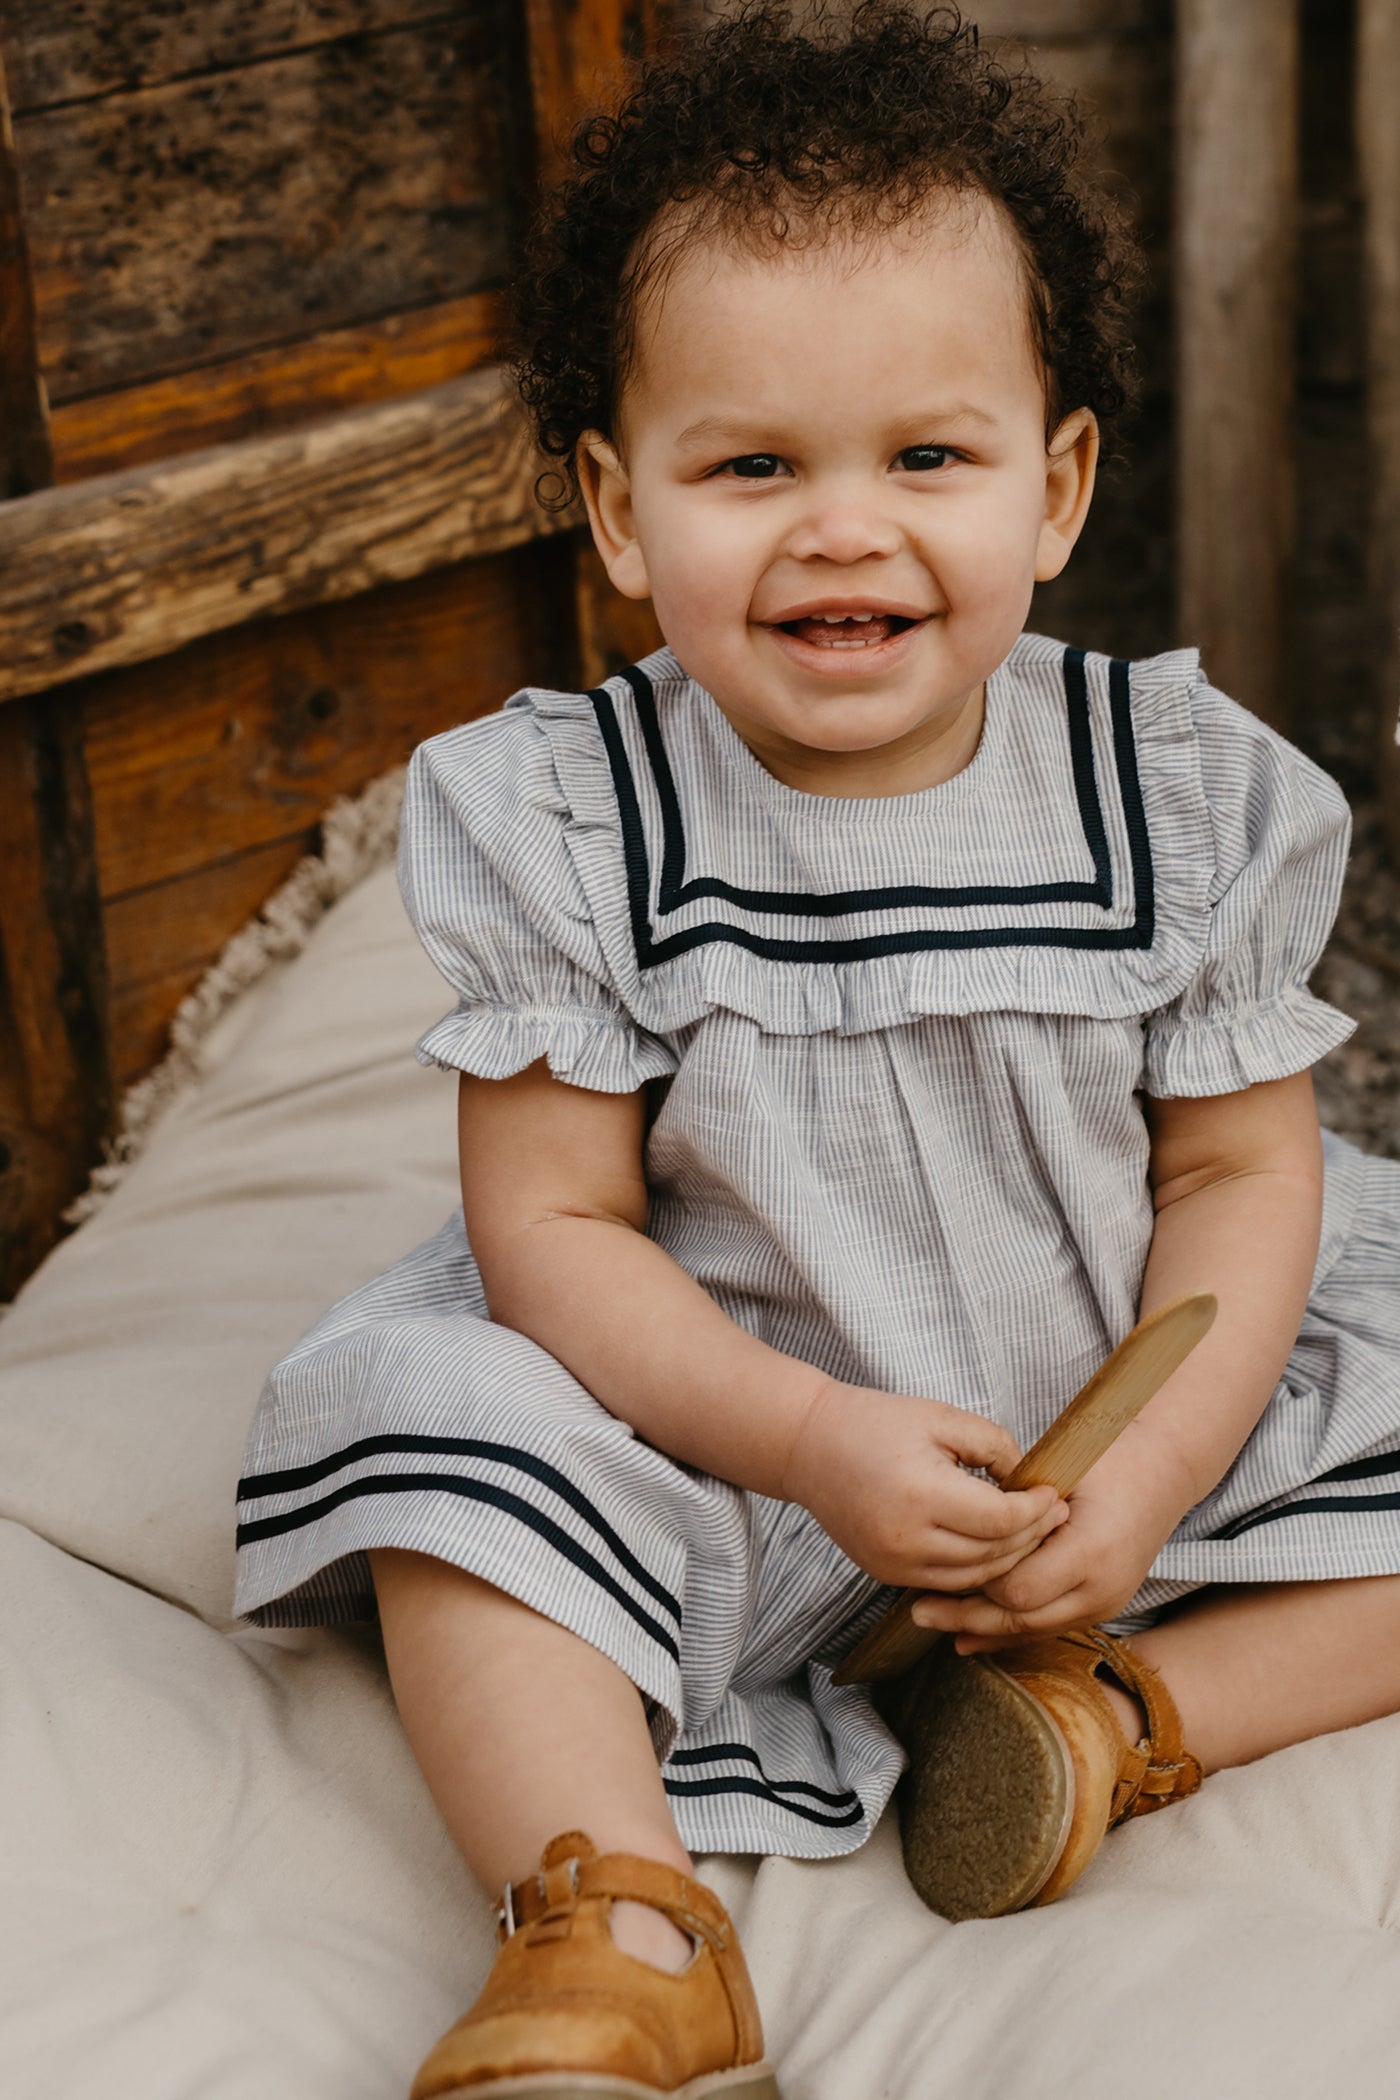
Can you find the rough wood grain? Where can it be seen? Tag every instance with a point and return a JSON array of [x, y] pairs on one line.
[[55, 1075], [73, 50], [1075, 1441], [187, 223], [575, 53], [160, 942], [1237, 88], [248, 736], [130, 566], [25, 457], [55, 1072], [1378, 150], [271, 390], [210, 770]]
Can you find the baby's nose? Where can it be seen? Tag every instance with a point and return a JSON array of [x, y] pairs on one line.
[[844, 529]]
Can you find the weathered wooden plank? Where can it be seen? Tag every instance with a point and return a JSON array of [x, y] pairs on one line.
[[188, 223], [1378, 147], [210, 770], [130, 566], [247, 737], [1237, 88], [55, 1073], [25, 456], [160, 942], [272, 390], [55, 1079], [576, 52], [72, 50]]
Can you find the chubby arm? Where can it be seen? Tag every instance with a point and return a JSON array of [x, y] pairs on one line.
[[1237, 1187], [556, 1208]]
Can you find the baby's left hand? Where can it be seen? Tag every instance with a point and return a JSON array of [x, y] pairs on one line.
[[1080, 1575]]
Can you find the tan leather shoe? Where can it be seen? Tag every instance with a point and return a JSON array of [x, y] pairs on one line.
[[1017, 1767], [566, 2015]]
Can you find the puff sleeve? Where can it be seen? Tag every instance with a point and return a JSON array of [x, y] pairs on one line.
[[491, 889], [1281, 831]]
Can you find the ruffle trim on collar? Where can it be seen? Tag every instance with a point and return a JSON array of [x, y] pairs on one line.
[[1018, 969]]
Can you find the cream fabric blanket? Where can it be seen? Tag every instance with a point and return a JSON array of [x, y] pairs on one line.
[[222, 1877]]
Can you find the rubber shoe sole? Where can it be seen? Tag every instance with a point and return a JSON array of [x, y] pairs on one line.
[[986, 1804]]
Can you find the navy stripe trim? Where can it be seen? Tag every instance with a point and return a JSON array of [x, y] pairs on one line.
[[293, 1477], [1302, 1509], [1086, 786], [1130, 794], [471, 1491], [1363, 1468], [675, 891], [738, 1752], [765, 1793]]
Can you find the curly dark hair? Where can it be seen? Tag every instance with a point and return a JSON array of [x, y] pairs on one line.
[[767, 131]]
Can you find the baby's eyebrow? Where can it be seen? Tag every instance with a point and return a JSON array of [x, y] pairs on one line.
[[953, 412], [710, 429], [720, 430]]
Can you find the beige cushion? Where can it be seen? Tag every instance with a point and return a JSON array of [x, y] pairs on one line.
[[314, 1152], [223, 1879]]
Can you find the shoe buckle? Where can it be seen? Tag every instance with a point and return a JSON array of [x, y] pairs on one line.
[[509, 1920]]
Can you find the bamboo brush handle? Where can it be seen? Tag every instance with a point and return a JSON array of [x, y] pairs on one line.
[[1076, 1440]]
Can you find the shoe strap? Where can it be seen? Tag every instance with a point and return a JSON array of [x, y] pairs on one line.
[[571, 1873], [570, 1876], [1160, 1769]]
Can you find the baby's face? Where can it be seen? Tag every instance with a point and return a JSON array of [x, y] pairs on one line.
[[832, 480]]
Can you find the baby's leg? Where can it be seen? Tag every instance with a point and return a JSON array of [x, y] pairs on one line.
[[523, 1730], [1257, 1668]]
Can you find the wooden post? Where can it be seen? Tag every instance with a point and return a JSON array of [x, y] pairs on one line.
[[26, 458], [1236, 188], [1378, 151], [55, 1074], [579, 51]]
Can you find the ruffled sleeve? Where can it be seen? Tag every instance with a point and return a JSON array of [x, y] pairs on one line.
[[1281, 829], [493, 895]]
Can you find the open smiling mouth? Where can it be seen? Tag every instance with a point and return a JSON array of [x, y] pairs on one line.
[[853, 631]]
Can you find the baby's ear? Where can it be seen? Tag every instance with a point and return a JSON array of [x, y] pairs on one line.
[[607, 492], [1071, 462]]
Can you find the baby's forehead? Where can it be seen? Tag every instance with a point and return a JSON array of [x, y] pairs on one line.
[[701, 278]]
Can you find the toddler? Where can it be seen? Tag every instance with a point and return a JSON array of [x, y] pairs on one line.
[[866, 1011]]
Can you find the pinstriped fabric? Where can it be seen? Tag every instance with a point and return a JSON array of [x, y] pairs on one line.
[[899, 1047]]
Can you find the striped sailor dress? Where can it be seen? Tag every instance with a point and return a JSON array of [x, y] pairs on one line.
[[895, 1050]]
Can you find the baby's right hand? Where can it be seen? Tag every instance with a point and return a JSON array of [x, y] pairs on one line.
[[883, 1474]]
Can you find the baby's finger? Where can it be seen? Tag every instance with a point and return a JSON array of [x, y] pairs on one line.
[[975, 1441], [952, 1561], [975, 1613], [980, 1511]]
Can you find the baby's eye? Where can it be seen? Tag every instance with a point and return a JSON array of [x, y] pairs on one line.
[[754, 466], [922, 459]]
